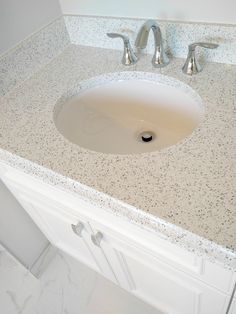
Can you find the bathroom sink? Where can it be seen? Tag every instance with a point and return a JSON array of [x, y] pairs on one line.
[[128, 113]]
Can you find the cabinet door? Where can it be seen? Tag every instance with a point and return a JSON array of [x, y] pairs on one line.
[[59, 225], [169, 290], [70, 234]]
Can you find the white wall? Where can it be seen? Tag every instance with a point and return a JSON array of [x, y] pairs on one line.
[[219, 11], [20, 18], [18, 233]]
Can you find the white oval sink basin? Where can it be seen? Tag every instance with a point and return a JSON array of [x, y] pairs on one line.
[[128, 113]]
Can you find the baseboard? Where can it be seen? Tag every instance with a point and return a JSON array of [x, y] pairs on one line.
[[43, 260]]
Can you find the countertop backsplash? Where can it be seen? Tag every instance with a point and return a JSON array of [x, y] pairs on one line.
[[29, 55], [91, 31]]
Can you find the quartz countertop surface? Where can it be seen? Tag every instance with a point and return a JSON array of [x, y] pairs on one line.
[[186, 192]]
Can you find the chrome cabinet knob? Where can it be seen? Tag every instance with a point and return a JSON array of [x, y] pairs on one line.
[[97, 238], [78, 229], [191, 65], [129, 57]]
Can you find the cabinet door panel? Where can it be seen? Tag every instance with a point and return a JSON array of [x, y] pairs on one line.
[[172, 293], [162, 286], [58, 229], [114, 258]]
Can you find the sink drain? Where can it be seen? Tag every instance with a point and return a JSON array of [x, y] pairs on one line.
[[146, 136]]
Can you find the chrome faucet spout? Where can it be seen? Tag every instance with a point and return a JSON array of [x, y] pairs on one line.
[[142, 37], [160, 59]]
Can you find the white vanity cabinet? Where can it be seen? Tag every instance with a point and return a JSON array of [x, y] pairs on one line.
[[169, 278]]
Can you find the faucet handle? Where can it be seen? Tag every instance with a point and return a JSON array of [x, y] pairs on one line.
[[203, 45], [191, 65], [118, 35], [129, 57]]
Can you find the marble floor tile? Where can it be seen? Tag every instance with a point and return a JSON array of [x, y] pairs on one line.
[[65, 287]]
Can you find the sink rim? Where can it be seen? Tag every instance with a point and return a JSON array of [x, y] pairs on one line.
[[113, 77]]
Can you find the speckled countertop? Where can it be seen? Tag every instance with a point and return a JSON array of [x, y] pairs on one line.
[[190, 185]]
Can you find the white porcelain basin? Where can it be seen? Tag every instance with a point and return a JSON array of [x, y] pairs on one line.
[[111, 113]]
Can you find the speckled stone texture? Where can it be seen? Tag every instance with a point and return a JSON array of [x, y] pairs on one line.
[[91, 31], [185, 193], [22, 61]]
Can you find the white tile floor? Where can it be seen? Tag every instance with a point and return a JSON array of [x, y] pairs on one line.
[[66, 287]]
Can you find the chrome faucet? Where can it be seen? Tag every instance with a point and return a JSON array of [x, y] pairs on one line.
[[129, 57], [160, 58], [191, 65]]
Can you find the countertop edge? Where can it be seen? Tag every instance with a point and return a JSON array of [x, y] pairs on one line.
[[167, 231]]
